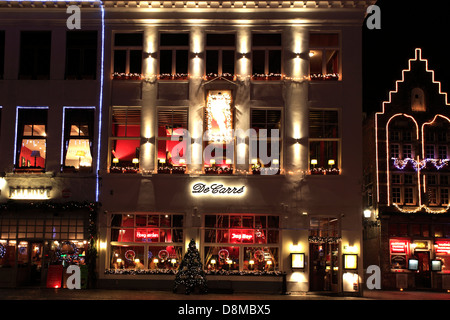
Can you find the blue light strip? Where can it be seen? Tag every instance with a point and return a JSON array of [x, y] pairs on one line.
[[100, 103], [17, 124]]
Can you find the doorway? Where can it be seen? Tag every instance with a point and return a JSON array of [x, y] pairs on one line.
[[423, 276], [29, 263], [324, 266]]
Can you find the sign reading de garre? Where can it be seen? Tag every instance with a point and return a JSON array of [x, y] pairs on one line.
[[216, 189]]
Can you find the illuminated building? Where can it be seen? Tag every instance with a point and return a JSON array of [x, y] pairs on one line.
[[406, 226], [122, 108]]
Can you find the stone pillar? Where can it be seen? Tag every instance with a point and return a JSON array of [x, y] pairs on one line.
[[149, 100], [242, 103], [196, 97], [296, 68]]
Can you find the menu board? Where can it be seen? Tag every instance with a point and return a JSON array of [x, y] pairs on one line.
[[54, 276]]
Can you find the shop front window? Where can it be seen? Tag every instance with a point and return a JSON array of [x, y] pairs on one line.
[[7, 253], [241, 242], [146, 241]]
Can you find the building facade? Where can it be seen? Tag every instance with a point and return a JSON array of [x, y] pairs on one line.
[[233, 124], [405, 172]]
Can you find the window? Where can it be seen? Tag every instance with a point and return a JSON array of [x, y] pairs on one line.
[[408, 178], [220, 55], [442, 152], [31, 139], [128, 55], [81, 55], [266, 56], [395, 179], [396, 195], [324, 153], [172, 153], [429, 152], [432, 195], [395, 150], [173, 56], [78, 139], [35, 50], [125, 140], [241, 242], [2, 54], [418, 100], [409, 196], [324, 228], [263, 121], [218, 146], [146, 241], [324, 56], [444, 196], [407, 151]]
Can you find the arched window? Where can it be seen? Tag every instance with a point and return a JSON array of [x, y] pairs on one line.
[[418, 100]]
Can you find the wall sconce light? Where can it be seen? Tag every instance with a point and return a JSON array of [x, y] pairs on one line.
[[196, 54], [297, 55], [297, 261], [243, 55], [367, 213], [311, 53], [146, 55]]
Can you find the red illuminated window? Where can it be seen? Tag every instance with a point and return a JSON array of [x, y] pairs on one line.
[[125, 140], [172, 144]]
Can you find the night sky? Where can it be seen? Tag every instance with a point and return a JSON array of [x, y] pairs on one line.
[[405, 25]]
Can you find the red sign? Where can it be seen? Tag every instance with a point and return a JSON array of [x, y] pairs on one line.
[[244, 236], [442, 247], [54, 276], [399, 246], [147, 234]]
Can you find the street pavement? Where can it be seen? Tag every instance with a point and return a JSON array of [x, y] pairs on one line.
[[109, 294]]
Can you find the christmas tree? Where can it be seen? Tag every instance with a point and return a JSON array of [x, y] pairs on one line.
[[190, 272]]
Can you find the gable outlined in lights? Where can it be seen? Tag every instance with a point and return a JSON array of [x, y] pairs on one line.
[[418, 57]]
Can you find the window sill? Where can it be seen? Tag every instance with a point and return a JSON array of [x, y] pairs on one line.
[[29, 170]]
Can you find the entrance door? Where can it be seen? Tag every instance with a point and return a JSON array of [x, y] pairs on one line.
[[324, 263], [423, 277], [29, 263]]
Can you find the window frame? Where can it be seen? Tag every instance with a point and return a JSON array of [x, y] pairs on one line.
[[180, 168], [267, 74], [173, 48], [323, 49], [336, 168], [127, 48], [220, 50], [241, 245], [111, 139]]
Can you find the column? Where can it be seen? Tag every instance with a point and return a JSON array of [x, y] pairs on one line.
[[296, 68], [149, 100], [242, 103], [196, 96]]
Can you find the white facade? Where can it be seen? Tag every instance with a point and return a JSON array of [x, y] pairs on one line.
[[296, 197]]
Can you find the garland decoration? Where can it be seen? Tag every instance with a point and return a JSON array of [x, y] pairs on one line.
[[2, 251], [315, 239]]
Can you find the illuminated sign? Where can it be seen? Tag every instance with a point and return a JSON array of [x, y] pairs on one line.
[[21, 193], [238, 236], [297, 260], [143, 234], [399, 246], [442, 247], [351, 261], [217, 189]]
